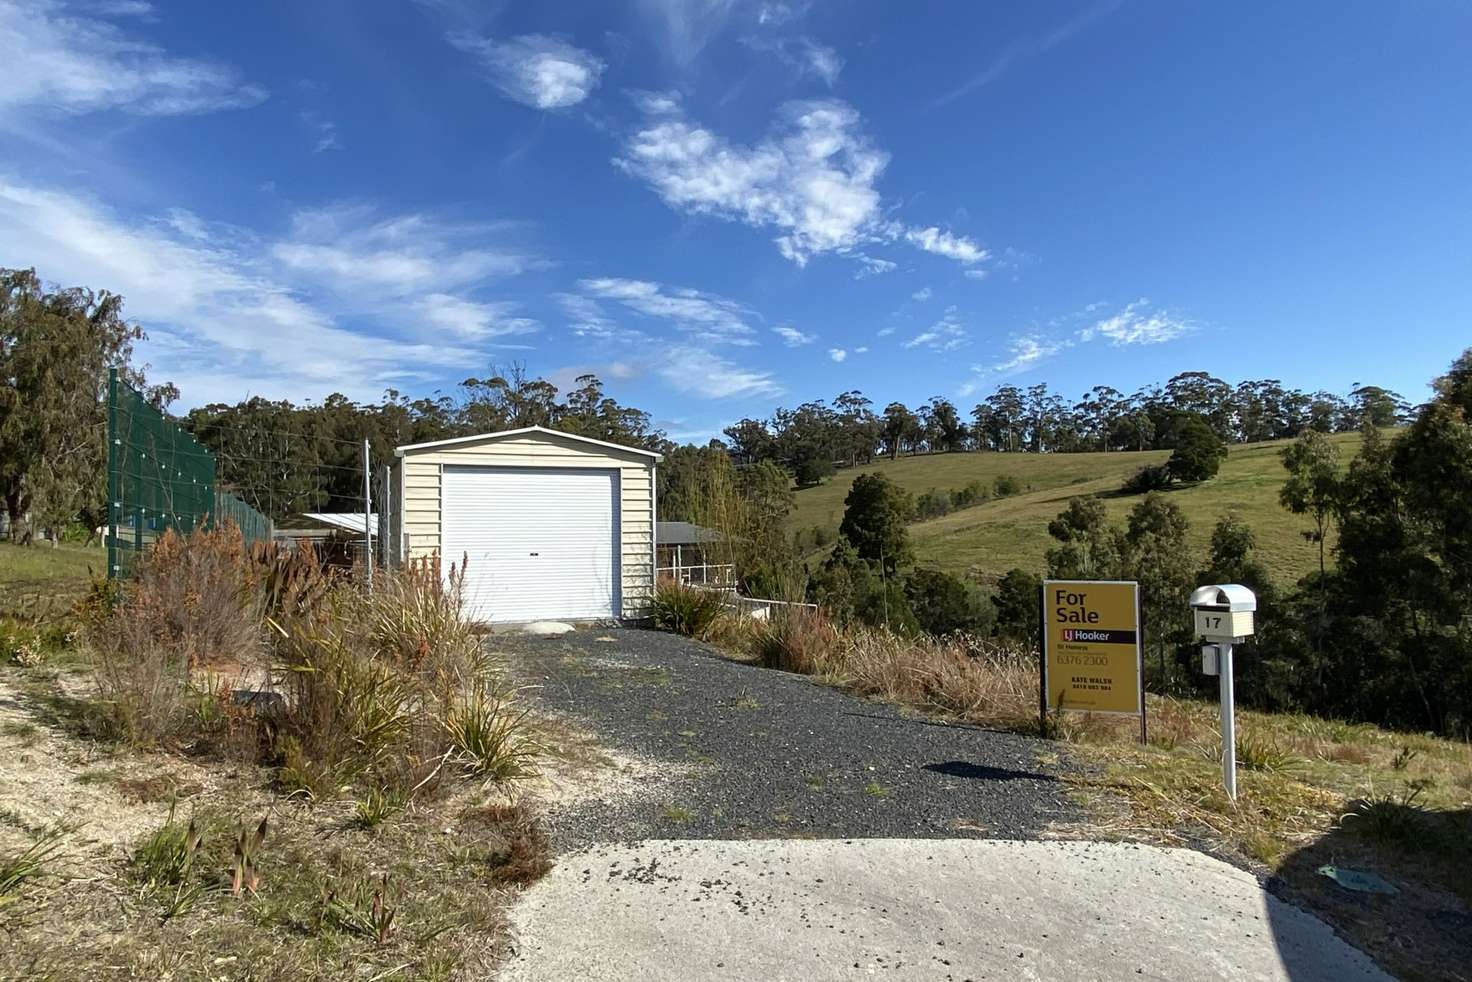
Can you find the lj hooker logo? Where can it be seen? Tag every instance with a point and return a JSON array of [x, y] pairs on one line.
[[1098, 636]]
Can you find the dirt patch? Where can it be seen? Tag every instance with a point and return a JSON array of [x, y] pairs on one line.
[[415, 889], [49, 778], [578, 771]]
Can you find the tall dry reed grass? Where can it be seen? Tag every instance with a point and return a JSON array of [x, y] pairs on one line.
[[976, 680]]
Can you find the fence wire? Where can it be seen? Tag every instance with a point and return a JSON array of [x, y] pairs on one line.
[[160, 478]]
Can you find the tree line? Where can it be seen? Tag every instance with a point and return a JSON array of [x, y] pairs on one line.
[[815, 436], [285, 458]]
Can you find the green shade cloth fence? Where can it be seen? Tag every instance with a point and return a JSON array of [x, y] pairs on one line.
[[160, 478]]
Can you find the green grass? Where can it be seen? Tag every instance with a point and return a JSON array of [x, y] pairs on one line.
[[988, 539], [41, 574]]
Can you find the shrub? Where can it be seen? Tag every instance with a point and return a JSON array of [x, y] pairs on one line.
[[377, 690], [943, 603], [800, 640], [1019, 607], [489, 737], [973, 493], [811, 468], [685, 610], [189, 606], [374, 808], [822, 536], [932, 504], [1005, 486], [1199, 451], [1257, 754], [1151, 477]]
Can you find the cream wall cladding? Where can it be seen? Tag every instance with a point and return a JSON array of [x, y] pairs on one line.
[[421, 485]]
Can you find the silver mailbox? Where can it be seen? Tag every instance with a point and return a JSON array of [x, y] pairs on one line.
[[1223, 612]]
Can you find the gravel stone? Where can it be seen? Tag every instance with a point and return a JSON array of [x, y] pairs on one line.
[[757, 753]]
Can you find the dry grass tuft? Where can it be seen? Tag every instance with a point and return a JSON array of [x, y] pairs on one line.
[[976, 680], [686, 610]]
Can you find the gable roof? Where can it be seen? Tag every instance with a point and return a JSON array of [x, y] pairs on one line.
[[347, 521], [526, 431], [683, 534]]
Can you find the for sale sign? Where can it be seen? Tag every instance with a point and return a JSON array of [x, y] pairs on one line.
[[1091, 646]]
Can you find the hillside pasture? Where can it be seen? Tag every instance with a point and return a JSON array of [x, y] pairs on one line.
[[988, 539], [40, 575]]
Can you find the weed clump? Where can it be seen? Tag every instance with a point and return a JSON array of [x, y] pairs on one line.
[[29, 864], [690, 611], [266, 655], [190, 605], [975, 679]]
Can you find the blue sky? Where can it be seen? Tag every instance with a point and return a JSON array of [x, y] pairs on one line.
[[722, 206]]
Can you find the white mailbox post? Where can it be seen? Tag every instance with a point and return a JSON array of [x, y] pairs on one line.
[[1223, 616]]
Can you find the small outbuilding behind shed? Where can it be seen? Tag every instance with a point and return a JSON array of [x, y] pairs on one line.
[[546, 525]]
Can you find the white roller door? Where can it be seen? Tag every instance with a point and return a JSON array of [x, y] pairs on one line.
[[541, 542]]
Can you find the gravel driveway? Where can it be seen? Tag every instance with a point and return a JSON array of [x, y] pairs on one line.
[[746, 752]]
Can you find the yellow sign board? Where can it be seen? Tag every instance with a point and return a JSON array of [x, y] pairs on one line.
[[1092, 650]]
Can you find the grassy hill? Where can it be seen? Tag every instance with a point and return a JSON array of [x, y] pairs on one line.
[[991, 538], [40, 576]]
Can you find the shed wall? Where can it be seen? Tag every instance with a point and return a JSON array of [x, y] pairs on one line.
[[421, 487]]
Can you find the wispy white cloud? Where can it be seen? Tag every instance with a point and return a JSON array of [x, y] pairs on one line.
[[475, 321], [222, 322], [885, 332], [792, 337], [587, 319], [946, 334], [324, 131], [66, 58], [811, 180], [861, 350], [821, 60], [923, 294], [976, 274], [804, 56], [943, 243], [119, 8], [837, 354], [657, 103], [703, 373], [687, 26], [777, 14], [1137, 323], [352, 248], [1028, 350], [1031, 47], [534, 69], [872, 266], [705, 316]]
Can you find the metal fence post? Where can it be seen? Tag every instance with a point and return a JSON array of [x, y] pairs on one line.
[[367, 516], [386, 518], [114, 489]]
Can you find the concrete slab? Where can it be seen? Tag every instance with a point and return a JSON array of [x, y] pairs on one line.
[[913, 909], [545, 628]]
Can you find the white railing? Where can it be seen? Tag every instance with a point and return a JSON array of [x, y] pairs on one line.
[[762, 609], [715, 576]]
